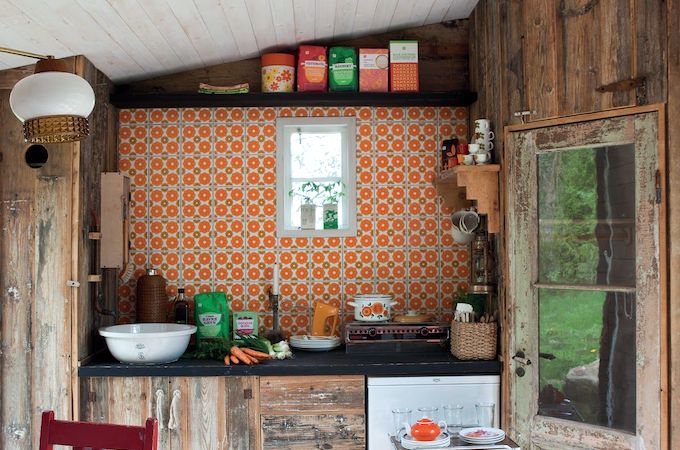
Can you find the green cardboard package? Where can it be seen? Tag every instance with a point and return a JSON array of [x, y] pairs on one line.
[[343, 69], [212, 318]]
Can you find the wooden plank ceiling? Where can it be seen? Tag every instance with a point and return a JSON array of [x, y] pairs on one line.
[[139, 39]]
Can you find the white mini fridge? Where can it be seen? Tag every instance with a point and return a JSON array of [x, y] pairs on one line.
[[388, 393]]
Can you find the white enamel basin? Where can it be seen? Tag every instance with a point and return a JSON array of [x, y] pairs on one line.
[[147, 343]]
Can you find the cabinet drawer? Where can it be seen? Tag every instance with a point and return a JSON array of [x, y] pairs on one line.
[[314, 431], [279, 395]]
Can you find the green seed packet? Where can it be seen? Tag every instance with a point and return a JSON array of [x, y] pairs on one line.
[[212, 318], [343, 69]]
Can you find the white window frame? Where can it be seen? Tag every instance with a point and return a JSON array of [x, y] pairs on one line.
[[285, 127]]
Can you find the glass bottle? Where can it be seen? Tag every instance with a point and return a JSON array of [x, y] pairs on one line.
[[181, 308]]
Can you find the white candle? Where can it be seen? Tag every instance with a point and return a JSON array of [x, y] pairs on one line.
[[275, 287]]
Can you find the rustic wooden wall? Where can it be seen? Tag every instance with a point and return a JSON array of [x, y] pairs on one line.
[[550, 57], [98, 153], [35, 336], [42, 248], [442, 52]]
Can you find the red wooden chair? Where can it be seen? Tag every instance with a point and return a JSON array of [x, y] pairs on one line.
[[97, 436]]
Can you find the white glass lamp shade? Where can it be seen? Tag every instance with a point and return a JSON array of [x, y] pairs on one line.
[[47, 94], [53, 106]]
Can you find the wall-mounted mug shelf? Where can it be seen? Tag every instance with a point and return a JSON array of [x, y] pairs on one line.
[[460, 186]]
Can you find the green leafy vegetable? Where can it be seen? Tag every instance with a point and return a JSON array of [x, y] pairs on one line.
[[210, 350]]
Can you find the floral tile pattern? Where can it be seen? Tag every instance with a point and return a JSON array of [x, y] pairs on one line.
[[203, 211]]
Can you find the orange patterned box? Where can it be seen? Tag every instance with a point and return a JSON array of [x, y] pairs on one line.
[[404, 66], [373, 69]]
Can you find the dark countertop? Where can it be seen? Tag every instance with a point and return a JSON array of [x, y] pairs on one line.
[[335, 362]]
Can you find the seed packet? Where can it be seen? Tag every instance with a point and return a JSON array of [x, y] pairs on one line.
[[312, 69], [211, 314], [342, 65], [404, 66], [373, 69], [245, 322]]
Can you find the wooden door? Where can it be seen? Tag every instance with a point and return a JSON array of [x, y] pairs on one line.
[[214, 413], [586, 282]]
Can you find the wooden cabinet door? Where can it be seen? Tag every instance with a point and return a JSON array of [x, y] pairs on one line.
[[214, 413], [313, 412], [127, 401]]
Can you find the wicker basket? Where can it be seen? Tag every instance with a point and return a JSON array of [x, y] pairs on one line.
[[474, 340]]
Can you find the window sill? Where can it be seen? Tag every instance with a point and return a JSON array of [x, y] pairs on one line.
[[340, 232]]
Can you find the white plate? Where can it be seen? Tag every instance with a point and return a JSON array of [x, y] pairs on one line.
[[314, 344], [444, 440], [491, 436]]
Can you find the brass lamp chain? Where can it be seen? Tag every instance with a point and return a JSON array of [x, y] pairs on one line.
[[12, 51]]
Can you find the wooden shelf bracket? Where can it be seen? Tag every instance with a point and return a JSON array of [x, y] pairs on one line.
[[460, 186]]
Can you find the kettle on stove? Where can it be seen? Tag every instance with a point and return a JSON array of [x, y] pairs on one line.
[[325, 321]]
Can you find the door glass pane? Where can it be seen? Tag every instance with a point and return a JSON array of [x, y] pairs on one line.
[[586, 211], [587, 357]]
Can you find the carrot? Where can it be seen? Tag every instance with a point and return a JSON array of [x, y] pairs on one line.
[[234, 359], [253, 359], [235, 351], [255, 353], [227, 360]]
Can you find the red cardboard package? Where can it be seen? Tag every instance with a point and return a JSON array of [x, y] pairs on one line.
[[312, 69]]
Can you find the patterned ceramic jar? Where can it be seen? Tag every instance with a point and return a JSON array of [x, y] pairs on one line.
[[278, 72]]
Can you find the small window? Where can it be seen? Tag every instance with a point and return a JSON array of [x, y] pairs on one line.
[[316, 176]]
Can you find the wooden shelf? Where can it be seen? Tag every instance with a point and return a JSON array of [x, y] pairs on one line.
[[255, 99], [462, 185]]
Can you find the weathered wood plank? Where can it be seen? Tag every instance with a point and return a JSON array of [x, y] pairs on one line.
[[243, 412], [16, 281], [202, 413], [300, 432], [296, 395], [540, 58], [443, 53], [673, 123], [95, 155], [513, 95], [51, 318], [651, 48]]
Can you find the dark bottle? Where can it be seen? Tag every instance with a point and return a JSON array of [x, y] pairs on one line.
[[181, 308]]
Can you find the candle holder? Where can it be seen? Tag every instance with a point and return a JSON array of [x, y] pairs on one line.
[[275, 334]]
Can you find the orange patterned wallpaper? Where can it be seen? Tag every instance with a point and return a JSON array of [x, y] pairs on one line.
[[203, 210]]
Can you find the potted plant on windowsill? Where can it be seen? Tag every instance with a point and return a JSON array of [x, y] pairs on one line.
[[327, 194], [331, 194]]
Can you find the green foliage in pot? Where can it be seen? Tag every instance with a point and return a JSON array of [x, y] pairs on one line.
[[323, 193]]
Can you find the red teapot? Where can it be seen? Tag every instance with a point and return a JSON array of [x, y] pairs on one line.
[[425, 429]]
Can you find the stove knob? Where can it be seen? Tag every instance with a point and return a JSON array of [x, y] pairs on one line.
[[424, 331], [372, 331]]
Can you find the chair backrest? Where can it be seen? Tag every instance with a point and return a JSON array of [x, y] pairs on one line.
[[97, 436]]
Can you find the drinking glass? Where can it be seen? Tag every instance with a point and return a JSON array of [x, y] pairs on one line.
[[485, 413], [399, 416], [453, 416], [431, 412]]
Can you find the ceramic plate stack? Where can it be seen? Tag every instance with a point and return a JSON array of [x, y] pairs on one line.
[[481, 435], [315, 343], [444, 440]]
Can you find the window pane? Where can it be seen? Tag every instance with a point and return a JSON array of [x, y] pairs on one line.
[[586, 210], [591, 336], [316, 155]]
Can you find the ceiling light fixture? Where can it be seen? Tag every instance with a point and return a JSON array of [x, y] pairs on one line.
[[53, 103]]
